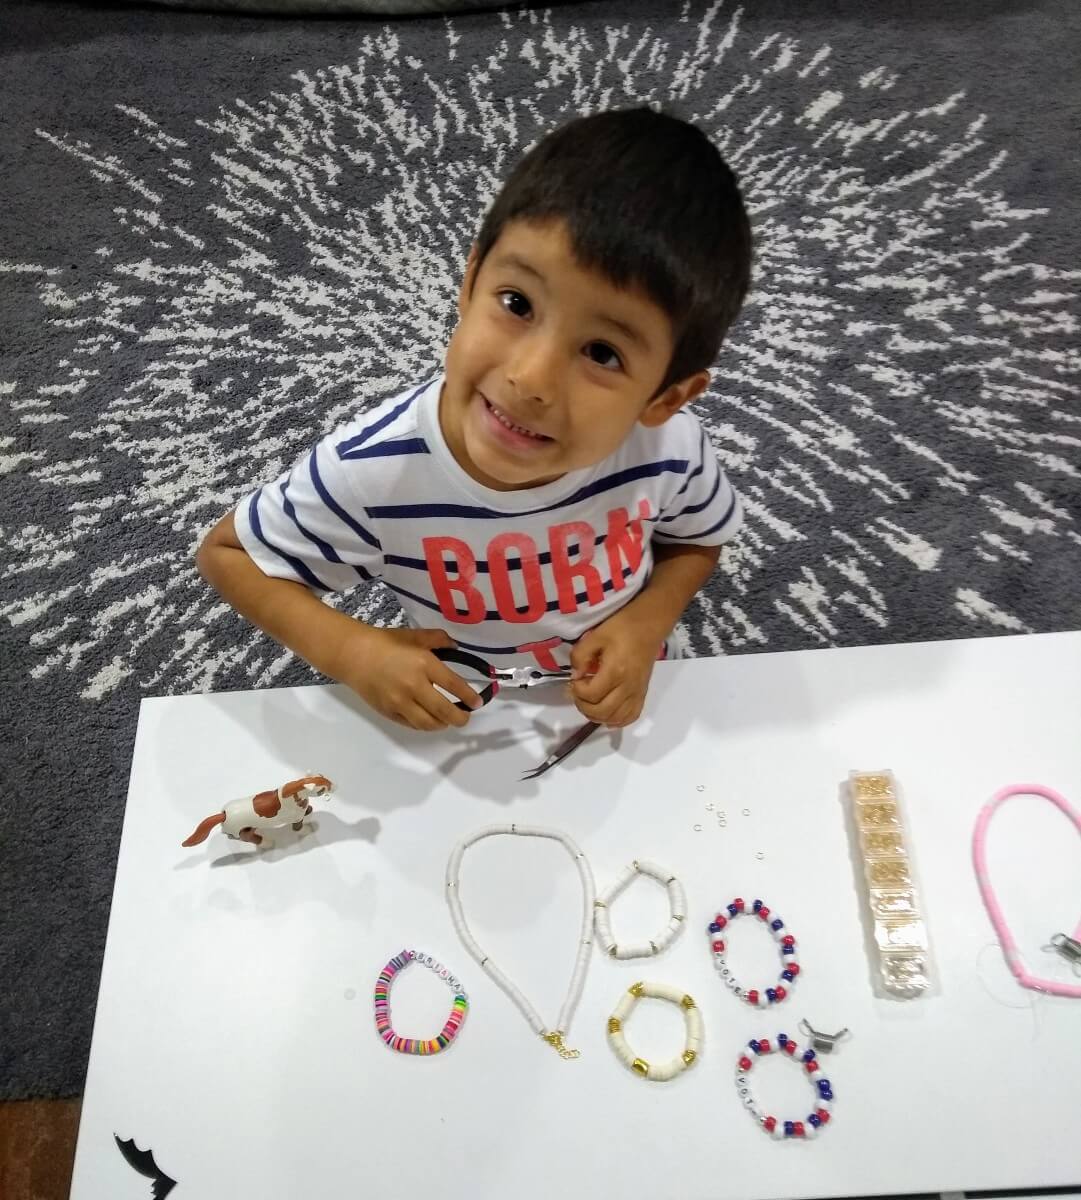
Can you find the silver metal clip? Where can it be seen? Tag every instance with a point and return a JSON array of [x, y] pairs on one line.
[[822, 1043], [1069, 948]]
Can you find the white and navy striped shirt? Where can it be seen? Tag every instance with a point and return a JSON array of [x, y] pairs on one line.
[[520, 573]]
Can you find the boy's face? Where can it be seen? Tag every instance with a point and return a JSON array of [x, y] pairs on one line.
[[551, 365]]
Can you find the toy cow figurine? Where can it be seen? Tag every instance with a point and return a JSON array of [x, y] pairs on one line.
[[250, 818]]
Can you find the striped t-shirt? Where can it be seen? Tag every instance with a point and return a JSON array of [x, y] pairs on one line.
[[519, 574]]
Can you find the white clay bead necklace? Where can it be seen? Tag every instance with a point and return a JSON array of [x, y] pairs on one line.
[[658, 1072], [677, 904], [554, 1037]]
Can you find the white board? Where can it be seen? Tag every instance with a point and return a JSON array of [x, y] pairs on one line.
[[234, 1032]]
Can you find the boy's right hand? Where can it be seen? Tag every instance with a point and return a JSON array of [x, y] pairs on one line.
[[395, 671]]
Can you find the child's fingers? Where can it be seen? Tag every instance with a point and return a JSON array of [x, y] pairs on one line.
[[431, 639], [442, 710], [585, 656], [602, 711], [442, 676], [417, 717], [595, 688], [626, 714]]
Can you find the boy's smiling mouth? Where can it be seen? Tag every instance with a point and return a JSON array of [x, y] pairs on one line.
[[508, 429]]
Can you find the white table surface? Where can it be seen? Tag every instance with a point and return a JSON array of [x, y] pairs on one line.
[[234, 1032]]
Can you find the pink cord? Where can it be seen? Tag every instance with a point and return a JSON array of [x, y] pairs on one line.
[[994, 909]]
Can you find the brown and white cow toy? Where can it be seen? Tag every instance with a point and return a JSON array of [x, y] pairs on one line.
[[250, 818]]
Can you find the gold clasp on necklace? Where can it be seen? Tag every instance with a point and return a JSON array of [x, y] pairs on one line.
[[555, 1040]]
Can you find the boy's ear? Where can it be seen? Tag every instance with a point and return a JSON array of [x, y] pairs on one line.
[[665, 406], [468, 279]]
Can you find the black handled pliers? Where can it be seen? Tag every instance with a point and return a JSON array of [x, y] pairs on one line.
[[516, 677]]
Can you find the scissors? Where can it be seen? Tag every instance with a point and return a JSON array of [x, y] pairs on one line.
[[517, 677]]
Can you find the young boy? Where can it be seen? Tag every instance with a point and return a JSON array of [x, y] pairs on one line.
[[548, 498]]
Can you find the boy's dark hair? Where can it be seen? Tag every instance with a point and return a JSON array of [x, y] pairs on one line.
[[647, 200]]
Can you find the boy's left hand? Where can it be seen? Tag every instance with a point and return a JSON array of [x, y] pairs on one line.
[[612, 665]]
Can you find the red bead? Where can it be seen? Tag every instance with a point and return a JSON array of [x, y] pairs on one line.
[[790, 1047], [797, 1128], [793, 967], [763, 1046], [738, 902], [788, 940], [812, 1065], [745, 1063], [718, 946], [763, 912], [781, 993], [823, 1116], [722, 921], [770, 1124], [752, 997]]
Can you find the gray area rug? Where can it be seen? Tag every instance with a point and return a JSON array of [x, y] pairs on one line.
[[219, 235]]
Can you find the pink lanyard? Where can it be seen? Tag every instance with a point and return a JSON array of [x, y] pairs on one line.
[[1060, 941]]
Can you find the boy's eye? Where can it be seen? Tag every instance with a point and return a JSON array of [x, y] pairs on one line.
[[515, 303], [604, 356]]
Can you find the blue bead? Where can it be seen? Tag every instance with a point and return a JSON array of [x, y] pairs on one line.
[[753, 1043], [815, 1120], [808, 1055], [771, 994], [714, 927], [787, 975], [788, 949], [789, 1128], [782, 1039], [733, 911], [778, 924], [757, 905]]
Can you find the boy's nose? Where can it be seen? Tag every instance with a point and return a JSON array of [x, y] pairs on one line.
[[532, 373]]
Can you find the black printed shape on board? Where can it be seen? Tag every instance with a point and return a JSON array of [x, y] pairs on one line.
[[143, 1162]]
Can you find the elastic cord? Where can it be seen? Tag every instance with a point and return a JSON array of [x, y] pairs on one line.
[[994, 909]]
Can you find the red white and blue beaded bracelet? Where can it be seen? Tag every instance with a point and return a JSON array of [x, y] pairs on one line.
[[785, 941], [815, 1120], [451, 1029]]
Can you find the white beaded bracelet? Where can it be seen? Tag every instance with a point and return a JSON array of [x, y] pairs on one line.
[[677, 904], [658, 1072]]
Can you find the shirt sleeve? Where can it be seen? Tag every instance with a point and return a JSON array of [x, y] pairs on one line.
[[308, 525], [706, 509]]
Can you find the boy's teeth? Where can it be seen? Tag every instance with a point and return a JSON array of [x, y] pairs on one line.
[[503, 419]]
